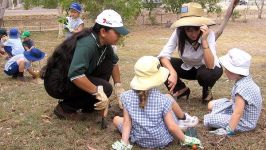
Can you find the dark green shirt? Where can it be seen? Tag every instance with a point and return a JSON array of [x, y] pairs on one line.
[[88, 55]]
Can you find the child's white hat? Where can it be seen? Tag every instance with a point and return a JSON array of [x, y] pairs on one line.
[[111, 18], [148, 73], [236, 61]]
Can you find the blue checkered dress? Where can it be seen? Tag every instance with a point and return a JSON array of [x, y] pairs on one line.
[[148, 127], [223, 108]]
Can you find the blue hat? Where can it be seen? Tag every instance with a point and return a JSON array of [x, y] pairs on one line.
[[34, 54], [13, 33], [75, 6]]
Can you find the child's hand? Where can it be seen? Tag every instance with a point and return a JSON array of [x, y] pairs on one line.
[[190, 141], [221, 131], [36, 74], [121, 145]]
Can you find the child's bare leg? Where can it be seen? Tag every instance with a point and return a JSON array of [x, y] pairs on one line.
[[117, 121], [210, 106], [21, 64], [176, 108]]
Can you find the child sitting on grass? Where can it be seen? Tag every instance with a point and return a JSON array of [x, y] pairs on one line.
[[16, 66], [242, 111], [150, 116], [27, 42]]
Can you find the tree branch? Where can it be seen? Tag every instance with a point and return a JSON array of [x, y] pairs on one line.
[[227, 16]]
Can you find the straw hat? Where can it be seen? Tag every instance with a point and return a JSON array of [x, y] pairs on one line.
[[236, 61], [148, 73], [192, 14]]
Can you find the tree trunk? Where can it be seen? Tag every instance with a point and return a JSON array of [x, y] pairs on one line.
[[3, 4], [60, 25], [227, 16], [260, 8]]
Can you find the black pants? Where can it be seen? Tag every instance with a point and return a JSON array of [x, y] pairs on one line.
[[206, 77], [76, 98]]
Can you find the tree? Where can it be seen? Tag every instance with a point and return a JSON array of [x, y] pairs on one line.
[[3, 4], [150, 5], [259, 4], [175, 5]]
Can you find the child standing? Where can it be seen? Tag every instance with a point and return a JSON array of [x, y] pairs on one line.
[[149, 115], [16, 65], [27, 42], [74, 22], [13, 45], [242, 111]]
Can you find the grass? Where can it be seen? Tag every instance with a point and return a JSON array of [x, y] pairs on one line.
[[26, 111]]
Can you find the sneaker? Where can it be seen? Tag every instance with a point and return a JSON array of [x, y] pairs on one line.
[[191, 121], [61, 114]]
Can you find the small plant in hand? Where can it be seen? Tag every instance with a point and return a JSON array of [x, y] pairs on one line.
[[62, 19]]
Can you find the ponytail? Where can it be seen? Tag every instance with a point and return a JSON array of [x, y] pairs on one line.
[[143, 97]]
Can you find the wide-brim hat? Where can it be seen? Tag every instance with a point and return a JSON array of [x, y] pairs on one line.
[[236, 61], [192, 14], [148, 73], [112, 19], [34, 54]]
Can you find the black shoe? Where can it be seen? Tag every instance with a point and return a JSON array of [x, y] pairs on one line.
[[61, 114], [185, 93], [206, 95]]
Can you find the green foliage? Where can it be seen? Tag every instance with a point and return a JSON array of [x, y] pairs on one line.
[[128, 9], [175, 5], [236, 14], [62, 19]]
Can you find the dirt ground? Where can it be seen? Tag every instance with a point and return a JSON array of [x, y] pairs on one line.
[[26, 111]]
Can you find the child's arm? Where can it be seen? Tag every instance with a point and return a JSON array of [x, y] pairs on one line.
[[80, 28], [33, 73], [238, 112], [126, 127], [173, 127]]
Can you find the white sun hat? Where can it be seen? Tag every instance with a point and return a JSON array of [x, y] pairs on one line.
[[148, 73], [111, 18], [236, 61]]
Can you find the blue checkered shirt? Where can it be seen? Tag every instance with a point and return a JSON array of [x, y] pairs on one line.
[[251, 93], [223, 108], [148, 127]]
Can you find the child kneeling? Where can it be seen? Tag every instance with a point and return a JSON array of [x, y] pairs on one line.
[[148, 114], [242, 111], [16, 65]]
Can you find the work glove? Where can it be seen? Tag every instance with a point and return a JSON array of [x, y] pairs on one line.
[[221, 131], [120, 145], [190, 141], [103, 100], [118, 91]]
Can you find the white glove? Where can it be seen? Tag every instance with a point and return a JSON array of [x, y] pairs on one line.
[[221, 131], [103, 99], [190, 141], [120, 145], [118, 91]]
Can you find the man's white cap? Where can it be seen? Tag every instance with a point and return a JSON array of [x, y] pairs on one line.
[[110, 18], [236, 61]]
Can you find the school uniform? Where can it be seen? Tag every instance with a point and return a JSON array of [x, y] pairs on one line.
[[73, 24], [12, 67], [148, 127], [223, 108]]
